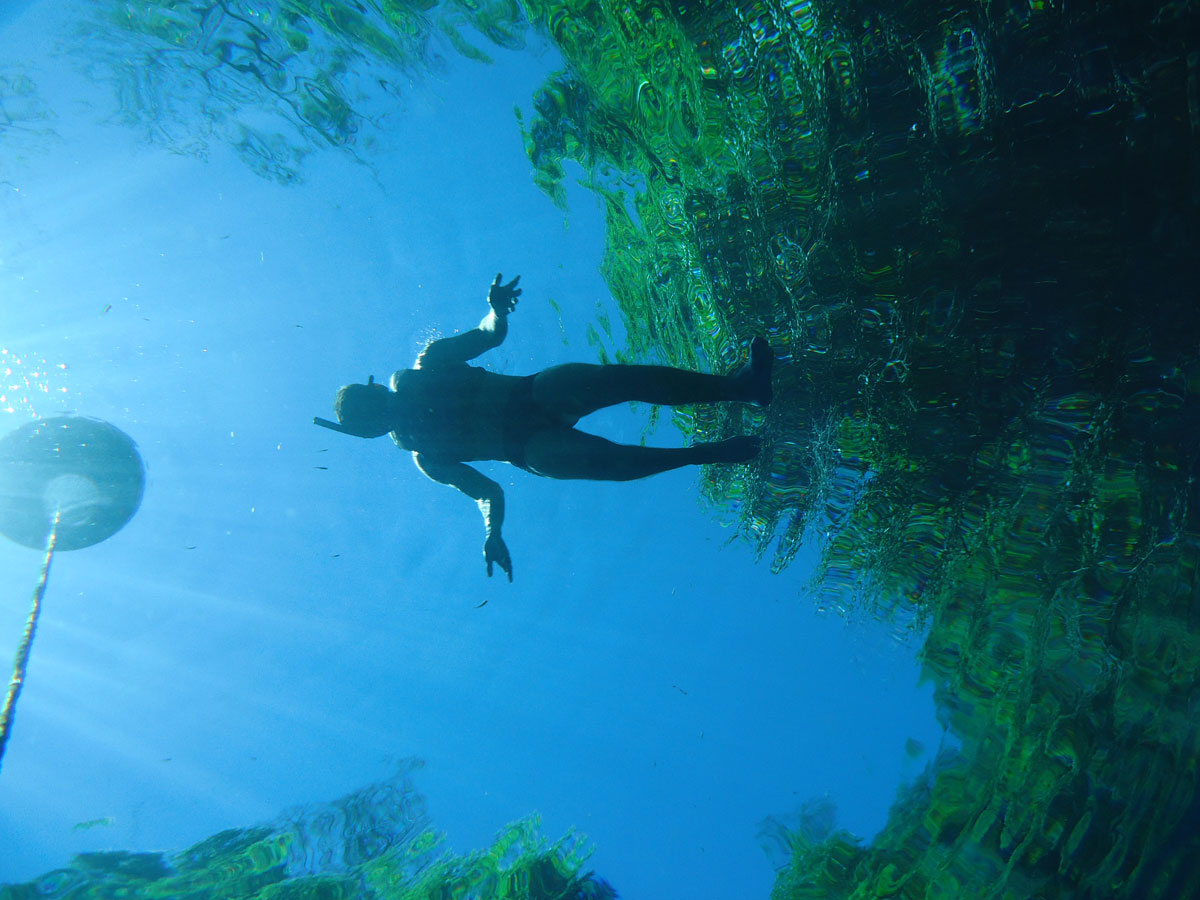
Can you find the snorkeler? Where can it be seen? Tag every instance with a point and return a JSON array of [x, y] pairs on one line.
[[449, 413]]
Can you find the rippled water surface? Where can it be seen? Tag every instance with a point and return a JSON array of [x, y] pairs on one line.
[[968, 231]]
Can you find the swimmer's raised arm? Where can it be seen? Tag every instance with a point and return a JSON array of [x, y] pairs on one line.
[[490, 333], [486, 493]]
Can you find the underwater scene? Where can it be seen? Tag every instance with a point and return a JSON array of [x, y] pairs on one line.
[[909, 606]]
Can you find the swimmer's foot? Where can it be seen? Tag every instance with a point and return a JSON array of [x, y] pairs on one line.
[[732, 450], [754, 378]]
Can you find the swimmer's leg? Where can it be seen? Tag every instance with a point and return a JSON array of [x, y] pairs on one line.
[[755, 376], [569, 453], [577, 389]]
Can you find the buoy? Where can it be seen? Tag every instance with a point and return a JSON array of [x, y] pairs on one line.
[[86, 469], [65, 483]]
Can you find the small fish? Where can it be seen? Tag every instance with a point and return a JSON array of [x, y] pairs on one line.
[[481, 605], [192, 547], [322, 468], [106, 309], [93, 823], [681, 690]]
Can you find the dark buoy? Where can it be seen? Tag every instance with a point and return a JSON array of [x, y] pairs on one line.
[[65, 483]]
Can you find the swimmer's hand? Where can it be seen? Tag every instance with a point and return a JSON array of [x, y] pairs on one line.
[[494, 551], [503, 297]]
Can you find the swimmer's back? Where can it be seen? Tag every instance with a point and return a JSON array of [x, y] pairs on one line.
[[453, 413]]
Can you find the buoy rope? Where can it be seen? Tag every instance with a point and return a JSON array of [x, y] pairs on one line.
[[18, 675]]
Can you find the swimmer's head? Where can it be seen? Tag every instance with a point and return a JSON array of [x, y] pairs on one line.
[[363, 410]]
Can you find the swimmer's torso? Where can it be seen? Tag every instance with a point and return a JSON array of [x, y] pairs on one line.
[[453, 413]]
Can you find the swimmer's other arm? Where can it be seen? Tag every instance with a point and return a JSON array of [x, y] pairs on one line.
[[486, 493], [491, 331]]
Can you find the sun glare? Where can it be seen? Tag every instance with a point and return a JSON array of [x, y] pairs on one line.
[[29, 380]]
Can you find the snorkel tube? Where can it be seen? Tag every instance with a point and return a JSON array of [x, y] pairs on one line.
[[333, 426]]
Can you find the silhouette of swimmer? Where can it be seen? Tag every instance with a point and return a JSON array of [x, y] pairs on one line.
[[449, 413]]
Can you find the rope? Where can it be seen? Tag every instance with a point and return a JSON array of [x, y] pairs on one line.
[[18, 675]]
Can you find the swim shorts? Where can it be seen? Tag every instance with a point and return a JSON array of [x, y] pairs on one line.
[[523, 418]]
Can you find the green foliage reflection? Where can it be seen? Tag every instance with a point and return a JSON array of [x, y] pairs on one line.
[[24, 116], [375, 844], [967, 229], [279, 79]]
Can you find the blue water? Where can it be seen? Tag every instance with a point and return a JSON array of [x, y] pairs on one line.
[[293, 613]]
